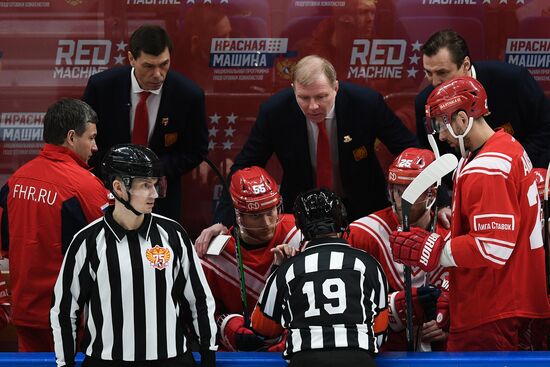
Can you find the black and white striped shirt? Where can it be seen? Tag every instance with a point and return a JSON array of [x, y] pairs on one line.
[[327, 297], [134, 287]]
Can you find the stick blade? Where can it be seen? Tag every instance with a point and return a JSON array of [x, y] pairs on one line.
[[431, 174]]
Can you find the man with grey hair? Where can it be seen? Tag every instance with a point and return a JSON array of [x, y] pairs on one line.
[[323, 133], [45, 202]]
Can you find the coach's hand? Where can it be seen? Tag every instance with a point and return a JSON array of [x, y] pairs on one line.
[[417, 248], [234, 336]]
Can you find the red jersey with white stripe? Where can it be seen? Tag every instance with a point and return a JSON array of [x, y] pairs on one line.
[[223, 275], [496, 238], [371, 234]]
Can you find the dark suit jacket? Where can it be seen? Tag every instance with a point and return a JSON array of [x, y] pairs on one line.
[[361, 114], [515, 100], [180, 134]]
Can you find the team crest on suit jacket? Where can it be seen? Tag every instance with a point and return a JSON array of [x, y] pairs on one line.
[[360, 153], [158, 257], [170, 139]]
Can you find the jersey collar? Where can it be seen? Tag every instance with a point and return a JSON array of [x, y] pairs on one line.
[[119, 232]]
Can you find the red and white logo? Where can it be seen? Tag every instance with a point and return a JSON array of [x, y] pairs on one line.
[[158, 257], [494, 222]]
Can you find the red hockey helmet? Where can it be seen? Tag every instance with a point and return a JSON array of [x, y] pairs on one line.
[[408, 165], [253, 190], [458, 94], [540, 174]]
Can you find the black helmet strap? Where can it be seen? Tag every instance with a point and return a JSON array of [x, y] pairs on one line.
[[127, 181]]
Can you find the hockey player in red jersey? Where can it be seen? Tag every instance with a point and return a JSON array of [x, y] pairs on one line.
[[495, 255], [371, 233], [262, 227]]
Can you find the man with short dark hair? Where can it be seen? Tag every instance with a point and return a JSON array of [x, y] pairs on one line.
[[148, 104], [495, 256], [135, 275], [516, 101], [45, 203]]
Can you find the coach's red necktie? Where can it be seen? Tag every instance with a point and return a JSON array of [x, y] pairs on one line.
[[324, 162], [140, 135]]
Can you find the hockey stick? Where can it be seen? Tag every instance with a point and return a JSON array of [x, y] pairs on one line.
[[435, 149], [428, 177], [545, 230], [238, 254]]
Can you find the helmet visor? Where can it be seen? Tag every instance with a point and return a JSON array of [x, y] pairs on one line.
[[148, 186]]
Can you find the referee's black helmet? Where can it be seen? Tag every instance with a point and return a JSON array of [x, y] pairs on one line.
[[128, 161], [319, 212]]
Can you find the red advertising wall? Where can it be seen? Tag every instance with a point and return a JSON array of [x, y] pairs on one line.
[[240, 52]]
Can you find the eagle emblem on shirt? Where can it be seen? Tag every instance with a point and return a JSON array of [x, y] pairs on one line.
[[158, 257]]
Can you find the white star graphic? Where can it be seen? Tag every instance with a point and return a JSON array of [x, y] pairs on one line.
[[224, 1], [411, 73], [503, 2], [211, 145], [520, 2], [212, 131], [229, 132], [414, 59], [121, 46], [190, 1], [119, 59], [208, 1], [416, 46], [227, 144], [215, 118], [487, 2], [231, 119]]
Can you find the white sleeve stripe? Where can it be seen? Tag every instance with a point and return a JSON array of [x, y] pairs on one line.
[[490, 163], [220, 273], [485, 172], [496, 154], [497, 242], [230, 271], [385, 252], [381, 222], [493, 253]]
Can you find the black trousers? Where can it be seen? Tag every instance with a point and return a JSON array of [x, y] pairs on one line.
[[331, 358], [185, 360]]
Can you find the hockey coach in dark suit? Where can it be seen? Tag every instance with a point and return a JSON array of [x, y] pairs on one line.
[[323, 133], [146, 103]]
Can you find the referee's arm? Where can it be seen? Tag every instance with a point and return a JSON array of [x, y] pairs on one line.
[[379, 299], [199, 297], [72, 283]]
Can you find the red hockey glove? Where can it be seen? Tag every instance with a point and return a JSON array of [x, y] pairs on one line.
[[417, 248], [234, 336], [279, 344], [423, 300], [443, 313]]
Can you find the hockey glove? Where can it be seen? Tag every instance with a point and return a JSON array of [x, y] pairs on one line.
[[234, 336], [424, 304], [279, 344], [417, 248], [443, 313]]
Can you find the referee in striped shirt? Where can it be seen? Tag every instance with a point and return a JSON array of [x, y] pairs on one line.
[[134, 274], [331, 297]]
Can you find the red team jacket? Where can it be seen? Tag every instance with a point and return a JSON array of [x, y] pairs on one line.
[[45, 203], [222, 270], [371, 234], [496, 238]]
